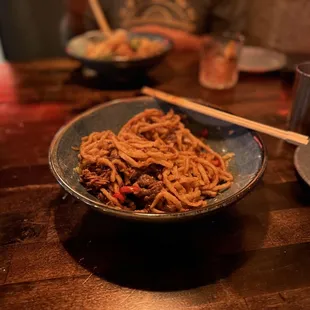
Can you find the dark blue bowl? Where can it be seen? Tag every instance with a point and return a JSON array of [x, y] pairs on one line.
[[117, 67], [247, 166]]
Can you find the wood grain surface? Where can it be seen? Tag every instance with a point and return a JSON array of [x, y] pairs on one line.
[[58, 254]]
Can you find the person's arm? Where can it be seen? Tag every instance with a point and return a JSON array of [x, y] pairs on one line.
[[181, 39], [229, 15]]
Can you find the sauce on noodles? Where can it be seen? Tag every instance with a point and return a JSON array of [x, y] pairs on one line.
[[154, 165]]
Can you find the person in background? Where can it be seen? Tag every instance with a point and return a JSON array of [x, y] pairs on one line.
[[285, 27], [183, 21]]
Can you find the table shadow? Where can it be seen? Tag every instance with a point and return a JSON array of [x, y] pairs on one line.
[[301, 191], [102, 82], [155, 256]]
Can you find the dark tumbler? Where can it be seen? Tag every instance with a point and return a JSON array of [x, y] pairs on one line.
[[300, 114]]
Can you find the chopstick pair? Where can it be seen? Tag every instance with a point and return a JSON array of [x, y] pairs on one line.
[[288, 136]]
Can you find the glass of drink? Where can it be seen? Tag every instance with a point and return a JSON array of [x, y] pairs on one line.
[[219, 61], [299, 120]]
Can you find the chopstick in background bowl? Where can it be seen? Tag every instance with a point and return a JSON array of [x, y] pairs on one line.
[[100, 17]]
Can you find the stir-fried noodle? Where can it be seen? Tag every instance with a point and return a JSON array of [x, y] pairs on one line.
[[154, 165]]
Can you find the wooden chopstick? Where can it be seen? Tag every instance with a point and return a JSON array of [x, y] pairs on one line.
[[100, 17], [289, 136]]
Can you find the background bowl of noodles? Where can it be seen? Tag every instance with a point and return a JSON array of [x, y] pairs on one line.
[[247, 166], [117, 67]]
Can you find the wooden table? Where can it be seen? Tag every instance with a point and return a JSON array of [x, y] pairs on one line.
[[57, 254]]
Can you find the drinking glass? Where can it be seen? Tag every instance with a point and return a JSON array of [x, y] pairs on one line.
[[299, 120], [219, 61]]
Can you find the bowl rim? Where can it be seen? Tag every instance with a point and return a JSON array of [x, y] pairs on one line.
[[103, 208], [169, 47], [298, 165]]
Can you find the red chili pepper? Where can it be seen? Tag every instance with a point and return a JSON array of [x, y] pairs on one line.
[[119, 197], [129, 189], [204, 133], [216, 162]]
